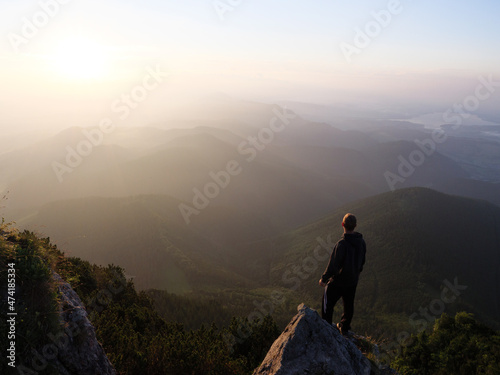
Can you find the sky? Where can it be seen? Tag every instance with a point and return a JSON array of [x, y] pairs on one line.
[[67, 62]]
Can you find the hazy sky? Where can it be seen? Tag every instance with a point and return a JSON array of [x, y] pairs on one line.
[[66, 62]]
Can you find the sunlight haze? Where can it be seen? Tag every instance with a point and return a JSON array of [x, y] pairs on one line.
[[87, 53], [190, 186]]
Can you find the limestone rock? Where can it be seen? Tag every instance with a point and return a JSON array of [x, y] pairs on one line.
[[79, 352], [309, 345]]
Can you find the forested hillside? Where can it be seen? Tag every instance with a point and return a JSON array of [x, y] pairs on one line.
[[419, 241], [135, 338]]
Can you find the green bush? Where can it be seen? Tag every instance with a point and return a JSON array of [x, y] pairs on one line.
[[457, 345]]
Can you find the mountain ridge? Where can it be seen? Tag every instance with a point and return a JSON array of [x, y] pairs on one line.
[[418, 239], [407, 266]]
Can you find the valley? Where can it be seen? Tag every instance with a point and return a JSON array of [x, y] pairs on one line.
[[192, 212]]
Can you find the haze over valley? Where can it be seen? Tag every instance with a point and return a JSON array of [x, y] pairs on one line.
[[180, 208], [211, 151]]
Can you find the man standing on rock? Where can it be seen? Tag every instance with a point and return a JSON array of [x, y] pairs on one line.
[[341, 276]]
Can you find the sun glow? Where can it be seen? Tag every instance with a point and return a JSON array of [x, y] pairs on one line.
[[78, 58]]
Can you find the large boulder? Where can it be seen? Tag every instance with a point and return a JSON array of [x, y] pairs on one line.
[[309, 345]]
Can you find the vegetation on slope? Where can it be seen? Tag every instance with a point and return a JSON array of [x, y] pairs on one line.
[[148, 237], [136, 339], [31, 294], [417, 239], [459, 345], [419, 242]]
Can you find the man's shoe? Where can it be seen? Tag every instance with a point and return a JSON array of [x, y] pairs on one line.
[[344, 332]]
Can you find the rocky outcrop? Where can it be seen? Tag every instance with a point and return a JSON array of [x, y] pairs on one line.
[[309, 345], [78, 352]]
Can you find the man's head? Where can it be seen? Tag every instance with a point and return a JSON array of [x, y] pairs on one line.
[[349, 222]]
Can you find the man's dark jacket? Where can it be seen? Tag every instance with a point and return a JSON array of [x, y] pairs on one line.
[[347, 260]]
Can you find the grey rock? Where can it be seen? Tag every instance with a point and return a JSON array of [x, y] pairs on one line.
[[79, 352], [309, 345]]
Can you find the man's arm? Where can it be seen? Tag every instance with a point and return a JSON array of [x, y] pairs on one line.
[[364, 257], [334, 265]]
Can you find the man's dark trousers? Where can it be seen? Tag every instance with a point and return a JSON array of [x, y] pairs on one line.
[[331, 296]]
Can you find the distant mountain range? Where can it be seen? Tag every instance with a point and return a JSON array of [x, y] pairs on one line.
[[263, 189], [290, 175]]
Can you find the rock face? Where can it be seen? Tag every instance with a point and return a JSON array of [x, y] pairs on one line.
[[309, 345], [79, 352]]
